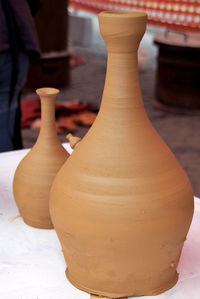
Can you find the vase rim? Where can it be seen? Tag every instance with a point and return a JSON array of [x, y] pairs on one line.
[[47, 91], [123, 13]]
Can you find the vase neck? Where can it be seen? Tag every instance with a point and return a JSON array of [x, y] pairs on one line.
[[122, 80], [48, 127]]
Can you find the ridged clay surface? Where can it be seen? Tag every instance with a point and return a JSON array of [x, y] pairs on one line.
[[122, 205], [35, 173]]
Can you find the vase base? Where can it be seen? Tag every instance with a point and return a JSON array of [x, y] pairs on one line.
[[100, 297], [39, 224], [108, 295]]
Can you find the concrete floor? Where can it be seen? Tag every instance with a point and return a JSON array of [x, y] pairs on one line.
[[180, 132]]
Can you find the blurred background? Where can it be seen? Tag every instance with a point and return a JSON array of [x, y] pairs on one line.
[[73, 59]]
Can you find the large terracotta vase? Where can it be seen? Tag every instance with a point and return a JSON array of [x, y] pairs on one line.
[[35, 173], [121, 204]]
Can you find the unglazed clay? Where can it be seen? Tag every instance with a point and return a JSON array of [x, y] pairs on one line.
[[35, 173], [100, 297], [121, 204]]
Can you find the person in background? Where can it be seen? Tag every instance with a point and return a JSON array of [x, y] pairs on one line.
[[18, 43]]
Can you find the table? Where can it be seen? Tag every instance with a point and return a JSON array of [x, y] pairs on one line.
[[31, 262]]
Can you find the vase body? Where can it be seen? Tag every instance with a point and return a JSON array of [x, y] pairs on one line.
[[35, 173], [121, 204]]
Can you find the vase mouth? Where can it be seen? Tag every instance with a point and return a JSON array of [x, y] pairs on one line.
[[47, 91], [123, 14]]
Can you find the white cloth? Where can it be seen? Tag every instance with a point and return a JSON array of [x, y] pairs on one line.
[[31, 262]]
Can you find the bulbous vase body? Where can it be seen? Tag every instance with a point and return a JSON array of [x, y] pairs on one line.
[[121, 204], [35, 173]]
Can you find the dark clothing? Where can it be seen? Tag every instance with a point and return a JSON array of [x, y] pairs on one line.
[[18, 41], [8, 113], [25, 27]]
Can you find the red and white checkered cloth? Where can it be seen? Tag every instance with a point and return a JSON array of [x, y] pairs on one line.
[[182, 15]]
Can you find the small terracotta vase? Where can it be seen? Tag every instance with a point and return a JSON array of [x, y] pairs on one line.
[[35, 173], [121, 204]]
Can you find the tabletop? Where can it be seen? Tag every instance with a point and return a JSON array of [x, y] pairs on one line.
[[31, 261]]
